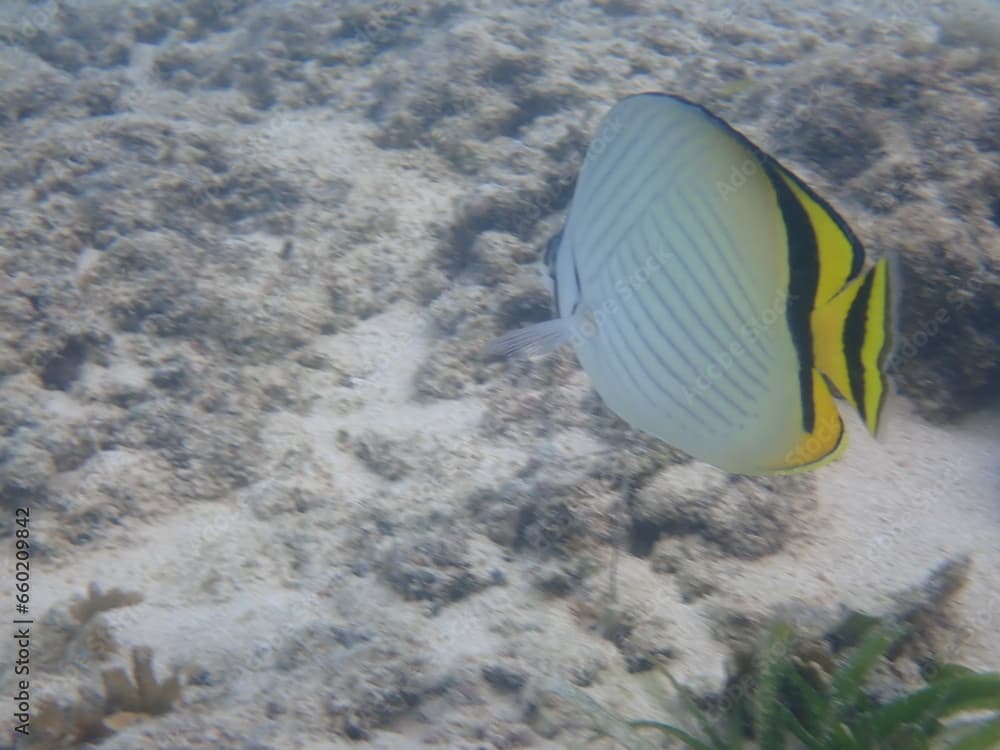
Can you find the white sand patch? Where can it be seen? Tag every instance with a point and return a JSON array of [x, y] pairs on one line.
[[890, 510]]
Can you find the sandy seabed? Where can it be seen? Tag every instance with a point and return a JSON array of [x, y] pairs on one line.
[[251, 254]]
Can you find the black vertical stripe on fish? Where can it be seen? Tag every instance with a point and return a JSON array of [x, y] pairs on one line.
[[576, 278], [803, 283], [551, 253], [854, 341]]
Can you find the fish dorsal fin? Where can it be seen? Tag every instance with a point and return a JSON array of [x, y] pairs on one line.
[[839, 253], [852, 335], [850, 311]]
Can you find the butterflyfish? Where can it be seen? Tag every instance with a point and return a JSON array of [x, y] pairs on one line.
[[714, 299]]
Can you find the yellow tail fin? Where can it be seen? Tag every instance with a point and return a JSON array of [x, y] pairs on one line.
[[851, 335]]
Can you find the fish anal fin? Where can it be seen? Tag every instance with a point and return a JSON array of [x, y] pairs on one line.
[[851, 335], [827, 439]]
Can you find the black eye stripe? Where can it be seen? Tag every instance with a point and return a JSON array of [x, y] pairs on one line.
[[551, 251], [576, 277]]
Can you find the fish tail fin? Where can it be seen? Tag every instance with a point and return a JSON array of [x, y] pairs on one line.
[[852, 335], [536, 340]]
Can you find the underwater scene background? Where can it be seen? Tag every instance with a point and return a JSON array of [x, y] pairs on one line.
[[279, 498]]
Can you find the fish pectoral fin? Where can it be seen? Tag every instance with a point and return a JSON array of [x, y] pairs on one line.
[[852, 337], [827, 439], [536, 340]]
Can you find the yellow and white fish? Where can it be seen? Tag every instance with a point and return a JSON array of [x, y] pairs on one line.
[[711, 296]]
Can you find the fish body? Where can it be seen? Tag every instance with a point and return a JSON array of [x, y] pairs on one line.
[[711, 296]]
